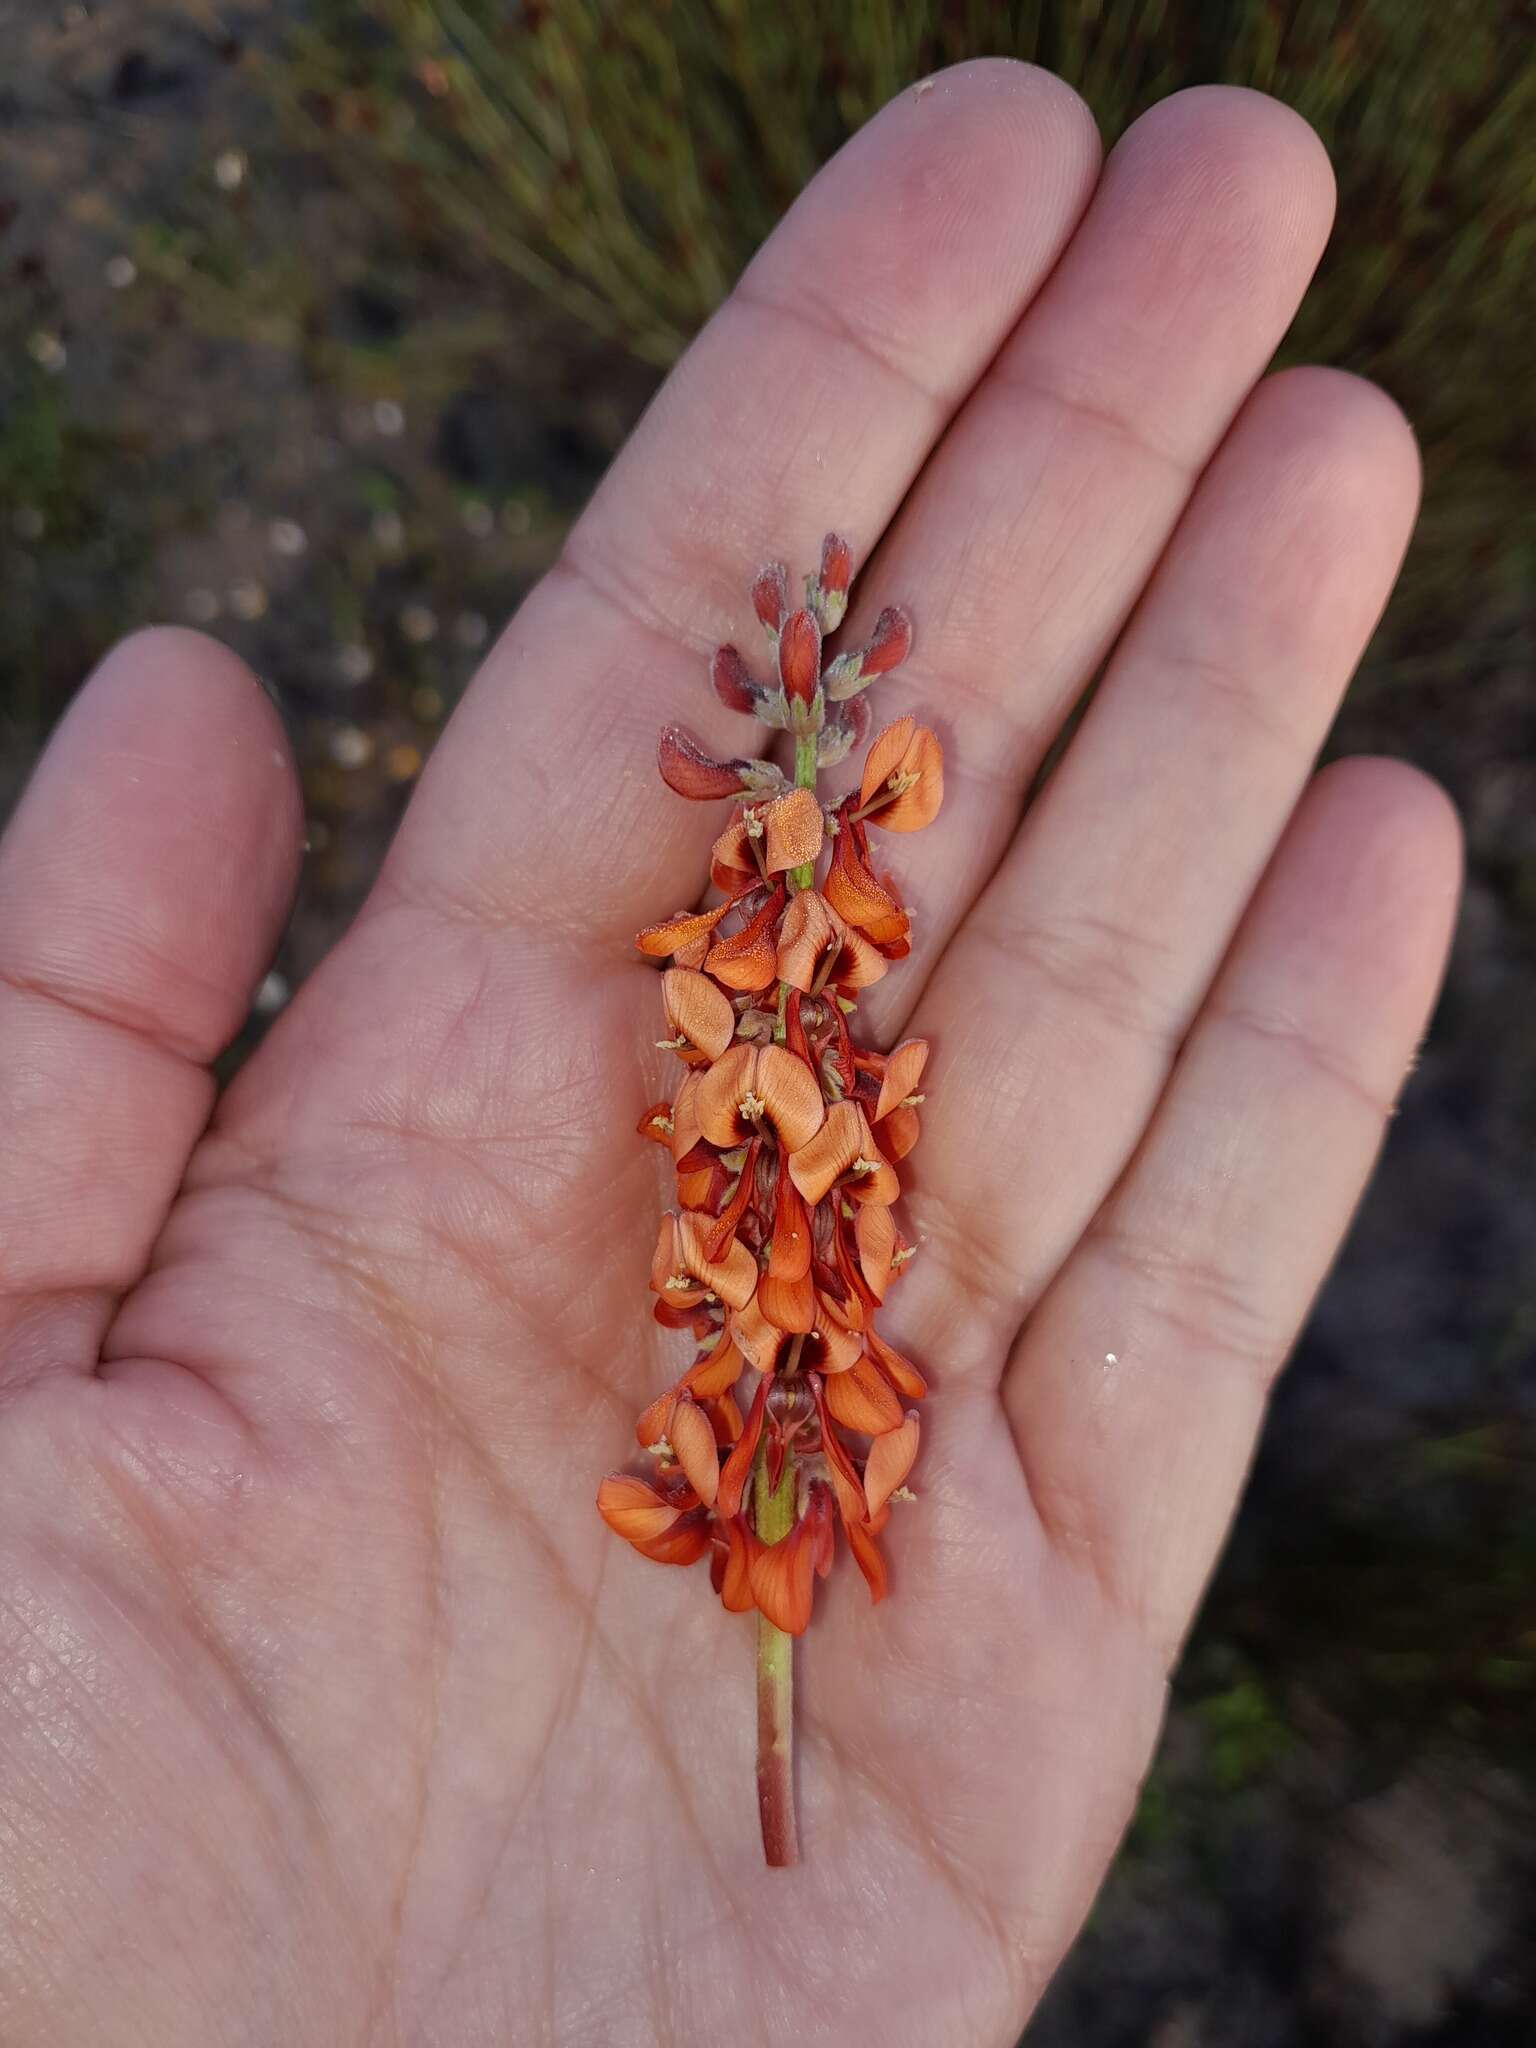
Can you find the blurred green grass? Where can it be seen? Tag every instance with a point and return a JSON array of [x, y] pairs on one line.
[[626, 156]]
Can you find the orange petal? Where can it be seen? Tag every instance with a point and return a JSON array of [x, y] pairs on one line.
[[811, 930], [861, 1398], [718, 1094], [844, 1138], [903, 1071], [874, 1232], [693, 1439], [903, 1374], [758, 1340], [665, 1258], [815, 1165], [745, 960], [697, 1009], [846, 1483], [858, 895], [733, 1278], [900, 1132], [841, 1345], [656, 1124], [791, 1096], [789, 1252], [737, 1469], [660, 940], [735, 1582], [890, 1459], [684, 1544], [732, 864], [788, 1304], [859, 963], [782, 1578], [906, 766], [866, 1555], [634, 1509], [795, 830], [716, 1373], [695, 1185], [724, 1419], [709, 1379]]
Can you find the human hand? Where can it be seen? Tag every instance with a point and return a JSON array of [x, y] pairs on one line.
[[330, 1710]]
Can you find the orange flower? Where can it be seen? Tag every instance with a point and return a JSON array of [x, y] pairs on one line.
[[903, 783], [843, 1151], [745, 959], [673, 933], [752, 1087], [817, 950], [699, 1014], [858, 894]]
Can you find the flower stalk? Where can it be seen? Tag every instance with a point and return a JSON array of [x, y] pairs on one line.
[[785, 1135]]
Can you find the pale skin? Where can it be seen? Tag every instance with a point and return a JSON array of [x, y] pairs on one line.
[[330, 1711]]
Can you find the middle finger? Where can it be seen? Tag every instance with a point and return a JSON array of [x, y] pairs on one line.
[[1035, 525]]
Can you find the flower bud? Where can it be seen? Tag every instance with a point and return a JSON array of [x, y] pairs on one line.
[[800, 656]]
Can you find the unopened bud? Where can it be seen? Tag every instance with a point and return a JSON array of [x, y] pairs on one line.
[[733, 681], [770, 596], [800, 657]]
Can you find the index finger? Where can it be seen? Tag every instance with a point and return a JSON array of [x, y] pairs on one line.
[[810, 401]]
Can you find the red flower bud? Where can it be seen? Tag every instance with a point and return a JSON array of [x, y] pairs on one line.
[[733, 681], [890, 643], [770, 595], [836, 571], [800, 656]]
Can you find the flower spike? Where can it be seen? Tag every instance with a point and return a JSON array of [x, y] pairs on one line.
[[784, 1136]]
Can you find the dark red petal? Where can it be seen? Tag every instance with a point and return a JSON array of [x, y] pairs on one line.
[[733, 680], [890, 644], [686, 768], [737, 1469], [770, 595]]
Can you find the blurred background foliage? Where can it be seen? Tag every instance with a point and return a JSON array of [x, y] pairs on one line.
[[625, 157], [321, 319]]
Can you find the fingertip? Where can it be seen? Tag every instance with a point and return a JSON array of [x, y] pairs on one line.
[[1406, 823], [153, 857], [1246, 166]]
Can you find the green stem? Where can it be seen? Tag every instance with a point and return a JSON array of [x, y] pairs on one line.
[[774, 1516], [805, 778]]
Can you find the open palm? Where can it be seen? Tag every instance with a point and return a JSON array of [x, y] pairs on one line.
[[330, 1711]]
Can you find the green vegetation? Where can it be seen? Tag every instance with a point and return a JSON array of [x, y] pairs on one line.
[[626, 157]]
